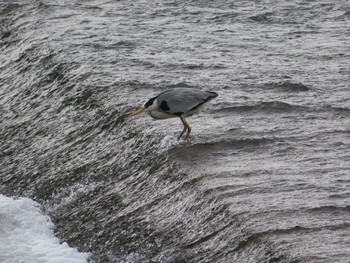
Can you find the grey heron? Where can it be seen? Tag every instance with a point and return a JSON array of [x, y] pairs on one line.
[[178, 102]]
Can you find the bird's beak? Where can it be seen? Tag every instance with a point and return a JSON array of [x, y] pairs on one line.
[[136, 112]]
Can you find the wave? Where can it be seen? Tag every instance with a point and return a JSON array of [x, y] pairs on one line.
[[286, 86], [337, 110], [223, 144], [27, 235], [279, 107], [107, 183], [330, 209], [265, 107]]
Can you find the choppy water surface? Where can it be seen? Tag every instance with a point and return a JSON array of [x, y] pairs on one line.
[[264, 176]]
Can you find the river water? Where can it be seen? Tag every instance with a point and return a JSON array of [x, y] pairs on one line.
[[264, 176]]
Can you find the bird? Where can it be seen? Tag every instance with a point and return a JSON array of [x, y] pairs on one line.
[[177, 102]]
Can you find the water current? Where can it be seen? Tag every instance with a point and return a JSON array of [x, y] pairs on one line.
[[265, 174]]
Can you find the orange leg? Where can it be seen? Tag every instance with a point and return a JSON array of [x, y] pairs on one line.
[[186, 128]]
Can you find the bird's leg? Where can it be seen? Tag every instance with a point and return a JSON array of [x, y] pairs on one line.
[[183, 131], [186, 127], [188, 131]]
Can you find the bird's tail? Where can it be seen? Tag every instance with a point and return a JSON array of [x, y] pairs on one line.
[[212, 95]]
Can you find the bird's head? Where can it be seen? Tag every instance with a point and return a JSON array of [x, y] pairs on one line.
[[149, 105]]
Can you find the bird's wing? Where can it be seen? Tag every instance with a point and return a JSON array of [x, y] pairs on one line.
[[182, 100]]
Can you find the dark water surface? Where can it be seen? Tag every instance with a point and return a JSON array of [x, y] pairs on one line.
[[265, 175]]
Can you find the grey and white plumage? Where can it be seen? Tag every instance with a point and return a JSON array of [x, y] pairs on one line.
[[178, 102]]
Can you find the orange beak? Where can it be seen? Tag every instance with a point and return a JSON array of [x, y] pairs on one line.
[[136, 112]]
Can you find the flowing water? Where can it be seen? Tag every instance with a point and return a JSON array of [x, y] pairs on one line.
[[264, 176]]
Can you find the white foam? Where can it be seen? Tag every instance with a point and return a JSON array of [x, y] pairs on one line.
[[167, 142], [26, 235]]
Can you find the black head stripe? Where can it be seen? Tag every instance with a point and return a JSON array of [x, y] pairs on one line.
[[149, 102]]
